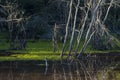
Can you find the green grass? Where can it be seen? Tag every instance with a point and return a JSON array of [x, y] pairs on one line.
[[39, 50], [29, 57]]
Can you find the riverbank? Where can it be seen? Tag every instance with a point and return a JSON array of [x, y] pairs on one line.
[[97, 58]]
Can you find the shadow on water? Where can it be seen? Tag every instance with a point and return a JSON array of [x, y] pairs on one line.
[[90, 67]]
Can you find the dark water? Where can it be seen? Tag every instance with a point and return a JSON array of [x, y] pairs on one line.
[[23, 75], [93, 68], [76, 71]]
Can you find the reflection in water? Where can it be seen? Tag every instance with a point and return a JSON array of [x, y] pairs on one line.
[[11, 75], [88, 69], [58, 72], [24, 76]]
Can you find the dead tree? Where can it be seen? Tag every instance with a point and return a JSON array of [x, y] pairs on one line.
[[67, 27], [91, 23], [55, 38], [58, 33], [15, 21]]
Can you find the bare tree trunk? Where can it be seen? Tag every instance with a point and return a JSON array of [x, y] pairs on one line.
[[108, 11], [73, 30], [67, 26], [55, 38], [82, 29], [87, 38]]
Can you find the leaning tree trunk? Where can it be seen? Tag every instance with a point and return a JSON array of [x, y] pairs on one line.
[[95, 29], [67, 26]]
